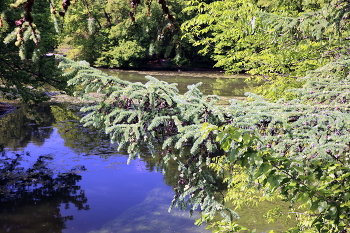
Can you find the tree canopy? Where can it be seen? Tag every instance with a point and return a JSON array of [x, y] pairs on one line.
[[116, 33], [272, 40]]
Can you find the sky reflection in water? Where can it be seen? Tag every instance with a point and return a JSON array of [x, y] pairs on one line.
[[120, 197]]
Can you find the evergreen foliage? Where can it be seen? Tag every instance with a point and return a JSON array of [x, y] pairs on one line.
[[298, 149], [137, 115], [302, 150]]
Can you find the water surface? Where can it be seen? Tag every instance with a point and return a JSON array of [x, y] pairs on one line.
[[86, 184], [213, 82]]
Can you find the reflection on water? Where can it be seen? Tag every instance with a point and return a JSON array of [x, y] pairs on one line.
[[73, 180], [21, 127], [153, 212], [57, 176], [78, 138], [213, 83], [31, 196]]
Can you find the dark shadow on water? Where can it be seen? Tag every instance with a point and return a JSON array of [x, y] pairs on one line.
[[25, 125], [30, 196], [39, 191]]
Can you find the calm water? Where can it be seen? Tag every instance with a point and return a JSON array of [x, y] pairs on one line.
[[213, 83], [71, 179], [105, 194]]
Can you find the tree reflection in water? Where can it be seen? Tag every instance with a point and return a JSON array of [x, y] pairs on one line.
[[31, 194]]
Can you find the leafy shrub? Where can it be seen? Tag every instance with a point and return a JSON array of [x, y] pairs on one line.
[[127, 54]]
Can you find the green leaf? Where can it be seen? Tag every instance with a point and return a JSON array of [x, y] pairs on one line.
[[263, 169], [233, 155], [303, 197], [237, 136], [244, 161], [225, 145], [246, 138], [314, 205], [333, 211], [258, 160], [220, 136], [273, 181], [322, 206]]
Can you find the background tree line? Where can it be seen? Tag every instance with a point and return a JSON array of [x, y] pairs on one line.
[[274, 41], [271, 39]]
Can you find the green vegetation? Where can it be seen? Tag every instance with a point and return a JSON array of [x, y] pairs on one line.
[[129, 35], [31, 75], [276, 41], [295, 148], [298, 149]]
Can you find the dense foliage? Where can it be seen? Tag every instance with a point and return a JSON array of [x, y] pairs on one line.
[[275, 41], [296, 149], [128, 35], [302, 151], [114, 33], [272, 40], [137, 115]]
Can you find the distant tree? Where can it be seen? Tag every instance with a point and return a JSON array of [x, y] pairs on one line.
[[127, 35], [274, 40], [115, 33]]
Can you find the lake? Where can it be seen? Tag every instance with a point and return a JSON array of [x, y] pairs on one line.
[[213, 82], [105, 194], [57, 176]]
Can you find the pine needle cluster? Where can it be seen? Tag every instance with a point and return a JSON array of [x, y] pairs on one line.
[[299, 136]]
